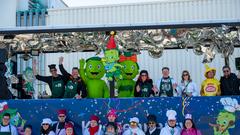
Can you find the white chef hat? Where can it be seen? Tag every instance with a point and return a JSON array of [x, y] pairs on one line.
[[134, 119], [47, 121], [230, 104], [188, 116], [171, 114]]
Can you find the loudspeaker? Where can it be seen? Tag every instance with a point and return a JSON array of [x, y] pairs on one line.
[[4, 92], [237, 63], [3, 55]]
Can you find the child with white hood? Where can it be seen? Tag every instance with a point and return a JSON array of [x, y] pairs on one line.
[[171, 128], [134, 129]]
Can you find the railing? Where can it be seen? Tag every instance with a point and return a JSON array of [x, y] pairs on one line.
[[204, 110]]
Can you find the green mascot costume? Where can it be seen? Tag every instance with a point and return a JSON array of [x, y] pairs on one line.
[[28, 84], [91, 72], [110, 60], [129, 71]]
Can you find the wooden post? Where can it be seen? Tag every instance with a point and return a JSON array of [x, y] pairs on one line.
[[112, 88]]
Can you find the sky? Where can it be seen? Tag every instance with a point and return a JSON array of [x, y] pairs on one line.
[[77, 3]]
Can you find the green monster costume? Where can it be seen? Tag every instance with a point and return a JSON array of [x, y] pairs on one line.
[[28, 77], [129, 71], [91, 72], [226, 118], [110, 60]]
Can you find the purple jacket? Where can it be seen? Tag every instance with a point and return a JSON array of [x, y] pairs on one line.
[[190, 131]]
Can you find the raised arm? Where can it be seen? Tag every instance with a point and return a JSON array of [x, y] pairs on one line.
[[82, 70], [62, 69], [46, 79]]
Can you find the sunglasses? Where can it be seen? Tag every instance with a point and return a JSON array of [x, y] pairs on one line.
[[45, 124], [133, 123], [53, 70], [61, 116], [225, 71]]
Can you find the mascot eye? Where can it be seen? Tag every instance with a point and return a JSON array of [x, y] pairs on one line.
[[90, 66], [99, 66], [225, 122], [132, 67]]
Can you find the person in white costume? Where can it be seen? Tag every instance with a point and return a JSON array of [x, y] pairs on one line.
[[134, 129], [171, 128]]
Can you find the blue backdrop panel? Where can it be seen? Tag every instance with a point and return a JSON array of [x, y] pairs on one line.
[[204, 110]]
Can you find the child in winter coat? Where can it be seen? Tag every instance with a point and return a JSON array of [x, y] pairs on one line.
[[189, 126], [134, 129], [46, 127], [94, 128], [69, 128]]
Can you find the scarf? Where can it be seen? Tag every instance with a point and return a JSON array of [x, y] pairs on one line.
[[93, 130]]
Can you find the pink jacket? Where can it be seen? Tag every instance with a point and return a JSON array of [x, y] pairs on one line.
[[190, 131]]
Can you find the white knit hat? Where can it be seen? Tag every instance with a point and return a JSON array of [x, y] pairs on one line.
[[47, 121], [171, 114], [134, 119], [188, 116]]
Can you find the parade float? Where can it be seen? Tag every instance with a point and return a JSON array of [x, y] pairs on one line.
[[215, 111], [120, 44]]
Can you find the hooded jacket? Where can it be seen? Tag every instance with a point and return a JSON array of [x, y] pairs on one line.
[[230, 85]]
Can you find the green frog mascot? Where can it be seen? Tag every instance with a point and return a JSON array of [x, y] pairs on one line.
[[91, 71], [129, 71], [226, 118]]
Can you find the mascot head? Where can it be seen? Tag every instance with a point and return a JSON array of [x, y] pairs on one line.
[[225, 120], [94, 68], [129, 70]]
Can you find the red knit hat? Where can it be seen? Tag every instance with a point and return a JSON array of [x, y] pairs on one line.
[[62, 111], [112, 112], [94, 117], [111, 43], [68, 125]]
